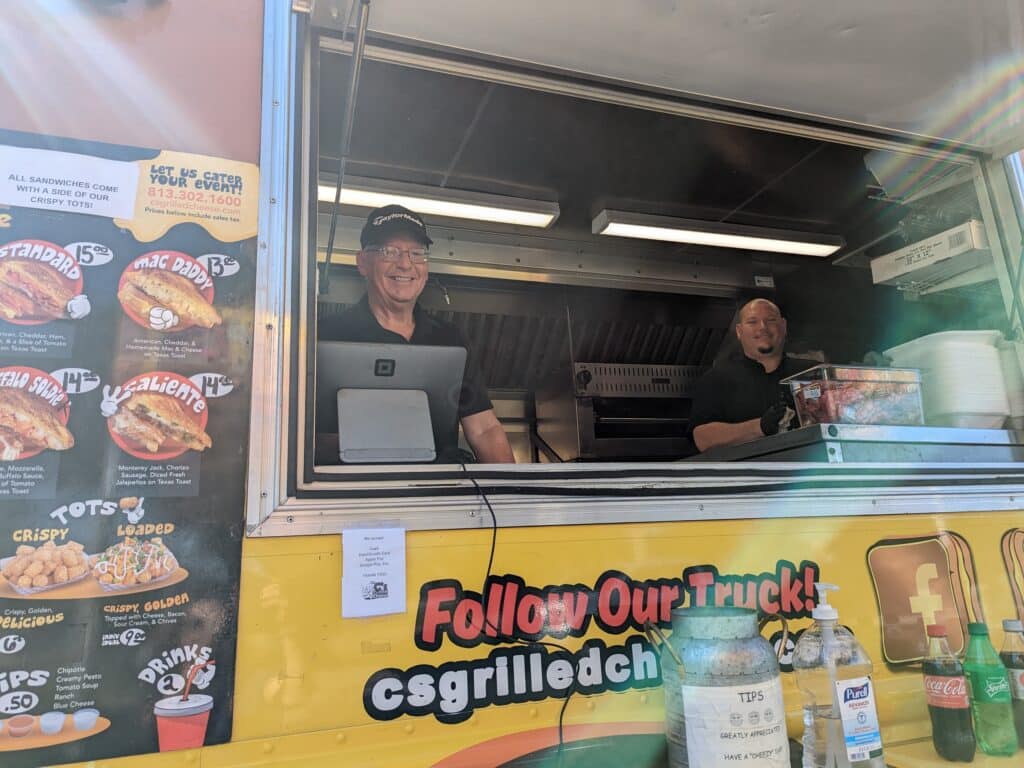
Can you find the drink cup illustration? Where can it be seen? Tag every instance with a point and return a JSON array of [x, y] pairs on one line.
[[181, 722]]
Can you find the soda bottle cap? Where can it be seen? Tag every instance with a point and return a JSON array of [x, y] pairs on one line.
[[1012, 625], [936, 630], [977, 628], [823, 611]]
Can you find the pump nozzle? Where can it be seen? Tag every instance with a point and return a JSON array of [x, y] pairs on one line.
[[824, 610]]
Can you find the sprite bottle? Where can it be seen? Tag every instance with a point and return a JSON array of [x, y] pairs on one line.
[[990, 694]]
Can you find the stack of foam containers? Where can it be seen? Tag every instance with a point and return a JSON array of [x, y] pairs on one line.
[[961, 377]]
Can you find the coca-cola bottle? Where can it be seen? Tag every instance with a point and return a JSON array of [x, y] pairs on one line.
[[1012, 655], [948, 702]]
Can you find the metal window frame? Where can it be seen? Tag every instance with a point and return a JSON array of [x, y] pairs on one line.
[[493, 69], [1014, 163], [1001, 192], [543, 494]]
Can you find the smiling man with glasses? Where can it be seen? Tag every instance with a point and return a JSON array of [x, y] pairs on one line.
[[393, 260]]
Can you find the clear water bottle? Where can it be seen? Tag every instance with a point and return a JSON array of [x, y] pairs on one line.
[[1013, 659], [834, 674]]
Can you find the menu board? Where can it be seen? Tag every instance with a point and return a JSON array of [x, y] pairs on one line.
[[126, 321]]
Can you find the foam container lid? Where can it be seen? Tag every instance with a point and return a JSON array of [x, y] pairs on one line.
[[961, 372]]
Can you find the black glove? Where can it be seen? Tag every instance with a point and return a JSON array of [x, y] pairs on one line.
[[772, 417]]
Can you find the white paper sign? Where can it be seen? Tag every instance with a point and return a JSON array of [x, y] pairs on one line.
[[372, 572], [736, 725], [65, 181]]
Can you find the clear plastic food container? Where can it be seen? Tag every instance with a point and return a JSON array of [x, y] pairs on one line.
[[854, 394]]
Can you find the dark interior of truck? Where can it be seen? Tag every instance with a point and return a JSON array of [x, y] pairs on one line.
[[631, 303]]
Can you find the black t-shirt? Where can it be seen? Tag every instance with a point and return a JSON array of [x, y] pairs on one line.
[[739, 389], [358, 324]]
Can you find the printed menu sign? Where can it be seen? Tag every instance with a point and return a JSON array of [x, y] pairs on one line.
[[126, 314]]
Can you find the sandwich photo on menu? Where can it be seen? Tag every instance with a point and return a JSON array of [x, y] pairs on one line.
[[157, 415], [30, 424], [39, 282], [158, 423], [168, 292]]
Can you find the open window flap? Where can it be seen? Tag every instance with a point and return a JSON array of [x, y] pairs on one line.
[[938, 68]]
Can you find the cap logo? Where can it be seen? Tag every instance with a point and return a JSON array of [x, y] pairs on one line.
[[396, 215]]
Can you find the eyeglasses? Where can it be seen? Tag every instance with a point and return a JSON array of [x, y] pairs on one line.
[[391, 254]]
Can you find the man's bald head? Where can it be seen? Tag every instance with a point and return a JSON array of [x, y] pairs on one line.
[[761, 330], [769, 306]]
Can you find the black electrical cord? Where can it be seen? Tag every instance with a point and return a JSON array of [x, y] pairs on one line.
[[516, 640]]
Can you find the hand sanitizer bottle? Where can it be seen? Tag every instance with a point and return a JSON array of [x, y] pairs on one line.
[[834, 673]]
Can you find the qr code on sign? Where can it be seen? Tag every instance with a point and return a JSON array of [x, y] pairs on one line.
[[375, 589]]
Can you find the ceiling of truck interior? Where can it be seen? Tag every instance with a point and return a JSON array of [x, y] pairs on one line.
[[419, 126], [441, 130], [942, 68]]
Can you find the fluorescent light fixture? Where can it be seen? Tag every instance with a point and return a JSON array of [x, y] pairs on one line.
[[438, 201], [716, 234]]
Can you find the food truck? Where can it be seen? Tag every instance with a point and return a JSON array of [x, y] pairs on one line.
[[187, 580]]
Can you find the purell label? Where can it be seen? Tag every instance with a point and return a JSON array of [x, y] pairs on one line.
[[946, 692], [742, 725], [860, 719], [856, 694]]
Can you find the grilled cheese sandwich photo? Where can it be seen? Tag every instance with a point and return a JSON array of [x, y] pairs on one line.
[[34, 292], [156, 423], [147, 293], [29, 425]]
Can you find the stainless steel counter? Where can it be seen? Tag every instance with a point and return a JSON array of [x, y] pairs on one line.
[[839, 443]]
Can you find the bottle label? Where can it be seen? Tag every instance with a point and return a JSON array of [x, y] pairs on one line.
[[737, 725], [989, 687], [856, 698], [946, 692], [1016, 683]]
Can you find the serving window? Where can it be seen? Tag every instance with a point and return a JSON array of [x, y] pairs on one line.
[[589, 345]]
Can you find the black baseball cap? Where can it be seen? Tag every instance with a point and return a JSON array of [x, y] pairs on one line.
[[389, 221]]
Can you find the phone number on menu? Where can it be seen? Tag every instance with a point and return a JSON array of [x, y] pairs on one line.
[[194, 196]]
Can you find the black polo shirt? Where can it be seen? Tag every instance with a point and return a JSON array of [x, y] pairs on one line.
[[358, 324], [739, 389]]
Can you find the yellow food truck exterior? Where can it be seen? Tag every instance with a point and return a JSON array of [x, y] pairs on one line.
[[578, 557]]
